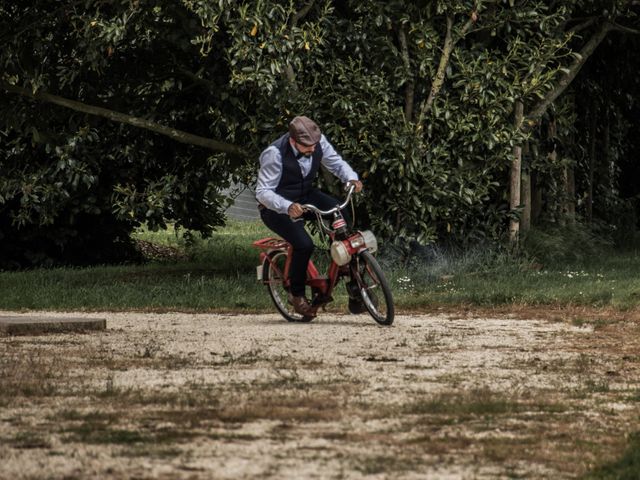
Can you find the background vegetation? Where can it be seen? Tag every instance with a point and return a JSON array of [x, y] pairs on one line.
[[461, 116], [218, 275]]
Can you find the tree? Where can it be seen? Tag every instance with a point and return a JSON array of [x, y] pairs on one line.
[[419, 96], [74, 184]]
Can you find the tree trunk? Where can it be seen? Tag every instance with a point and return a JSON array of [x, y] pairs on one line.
[[556, 210], [592, 160], [571, 194], [570, 190], [606, 155], [536, 198], [525, 222], [536, 190], [514, 190]]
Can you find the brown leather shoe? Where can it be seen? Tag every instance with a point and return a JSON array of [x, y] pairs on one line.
[[301, 306]]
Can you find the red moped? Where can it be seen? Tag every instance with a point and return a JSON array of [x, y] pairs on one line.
[[351, 259]]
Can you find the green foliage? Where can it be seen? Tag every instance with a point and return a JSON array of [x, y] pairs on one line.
[[74, 186], [418, 96]]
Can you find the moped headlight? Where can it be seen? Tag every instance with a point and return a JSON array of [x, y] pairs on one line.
[[340, 253]]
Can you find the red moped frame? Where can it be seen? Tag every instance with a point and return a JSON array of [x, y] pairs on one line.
[[324, 285]]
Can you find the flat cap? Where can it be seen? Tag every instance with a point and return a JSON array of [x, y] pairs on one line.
[[304, 130]]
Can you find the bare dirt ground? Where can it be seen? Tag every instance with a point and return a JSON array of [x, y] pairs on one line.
[[182, 396]]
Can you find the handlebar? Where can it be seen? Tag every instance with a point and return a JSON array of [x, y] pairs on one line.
[[337, 208]]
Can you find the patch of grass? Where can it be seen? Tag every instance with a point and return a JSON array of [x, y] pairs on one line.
[[29, 440], [290, 406], [635, 396], [35, 375], [96, 433], [377, 464], [218, 274], [252, 404], [431, 340], [190, 396], [249, 357], [486, 276], [597, 386], [501, 450], [117, 419], [68, 414], [475, 403], [147, 450], [478, 402], [627, 467]]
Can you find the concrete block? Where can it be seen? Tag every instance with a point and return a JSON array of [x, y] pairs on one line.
[[26, 325]]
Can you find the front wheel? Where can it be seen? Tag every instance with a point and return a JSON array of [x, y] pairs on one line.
[[373, 287], [272, 274]]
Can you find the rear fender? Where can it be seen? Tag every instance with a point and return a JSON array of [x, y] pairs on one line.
[[265, 258]]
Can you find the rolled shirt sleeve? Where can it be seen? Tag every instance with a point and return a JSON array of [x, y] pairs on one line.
[[268, 180]]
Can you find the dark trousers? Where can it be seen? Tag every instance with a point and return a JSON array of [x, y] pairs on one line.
[[297, 236]]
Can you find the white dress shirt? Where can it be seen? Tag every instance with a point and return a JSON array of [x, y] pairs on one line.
[[271, 172]]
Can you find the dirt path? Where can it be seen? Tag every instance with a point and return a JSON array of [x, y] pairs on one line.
[[245, 396]]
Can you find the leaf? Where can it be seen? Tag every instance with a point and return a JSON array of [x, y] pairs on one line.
[[254, 30]]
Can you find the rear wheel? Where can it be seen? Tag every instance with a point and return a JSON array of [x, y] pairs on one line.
[[373, 287], [272, 274]]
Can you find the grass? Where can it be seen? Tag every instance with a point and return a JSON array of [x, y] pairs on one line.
[[608, 281], [627, 467], [218, 274], [476, 402]]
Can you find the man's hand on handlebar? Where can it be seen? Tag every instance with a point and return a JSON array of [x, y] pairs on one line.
[[295, 210], [355, 183]]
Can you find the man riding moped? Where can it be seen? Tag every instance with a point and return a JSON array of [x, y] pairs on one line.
[[288, 169]]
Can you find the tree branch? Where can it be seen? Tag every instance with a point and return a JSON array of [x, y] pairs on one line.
[[623, 29], [583, 25], [409, 90], [447, 49], [438, 81], [196, 79], [291, 76], [178, 135], [300, 14], [541, 107]]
